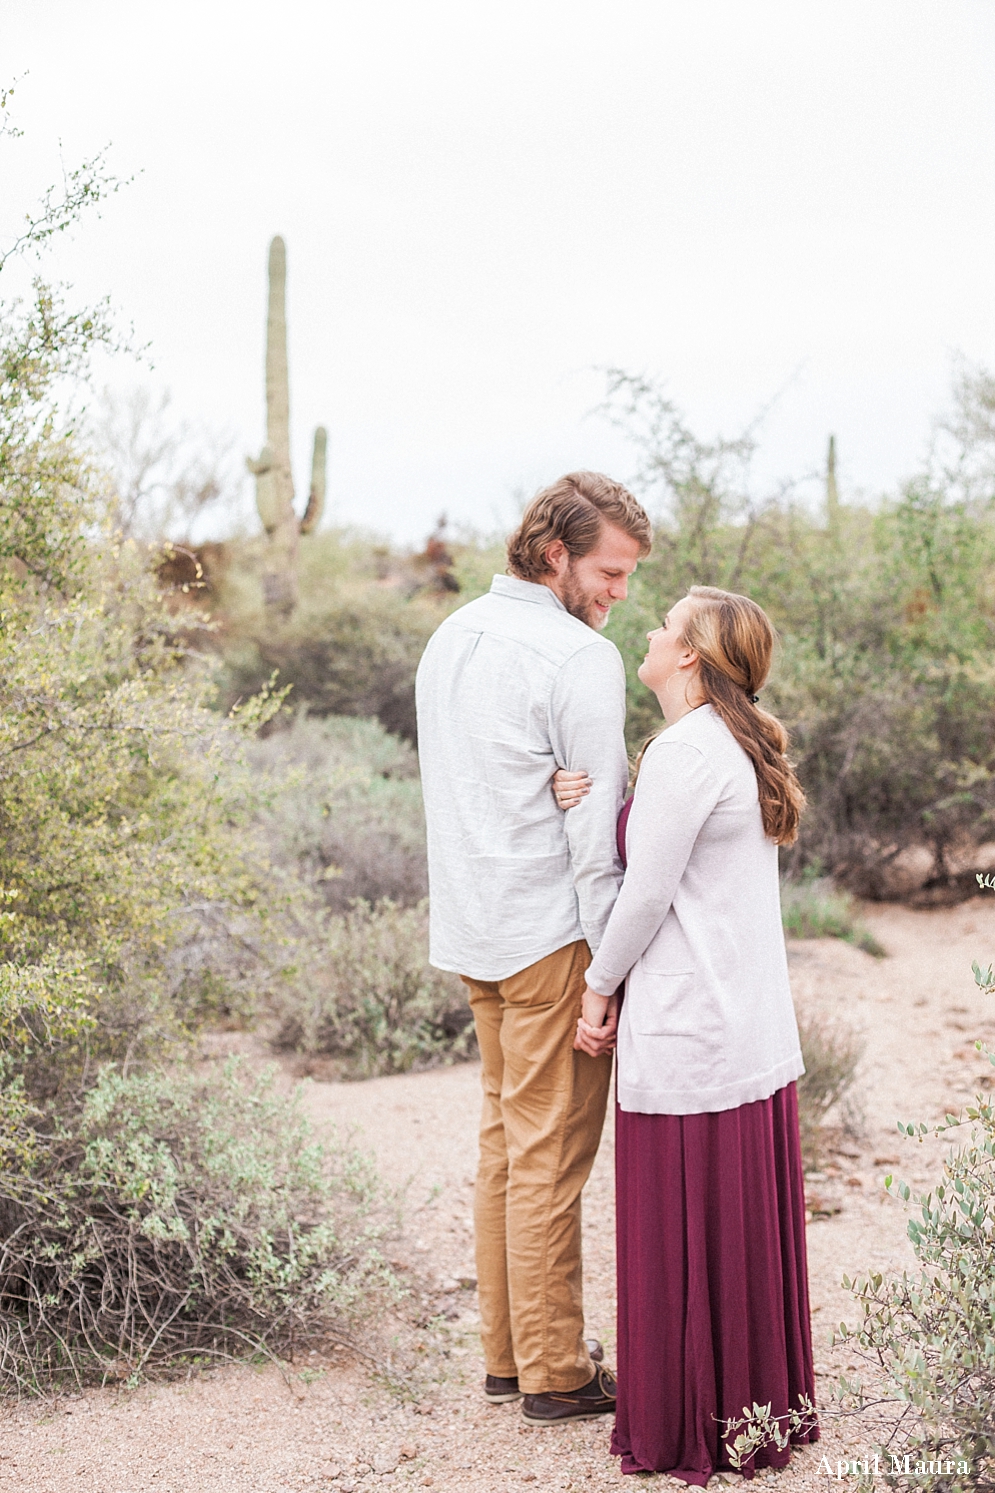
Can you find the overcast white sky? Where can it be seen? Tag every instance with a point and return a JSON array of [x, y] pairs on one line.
[[486, 202]]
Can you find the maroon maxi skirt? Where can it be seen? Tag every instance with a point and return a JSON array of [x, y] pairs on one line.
[[713, 1308]]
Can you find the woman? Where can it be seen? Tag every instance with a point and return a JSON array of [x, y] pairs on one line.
[[713, 1295]]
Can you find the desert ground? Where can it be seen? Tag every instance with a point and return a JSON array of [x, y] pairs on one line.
[[403, 1408]]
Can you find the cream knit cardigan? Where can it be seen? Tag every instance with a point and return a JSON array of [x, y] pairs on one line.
[[707, 1022]]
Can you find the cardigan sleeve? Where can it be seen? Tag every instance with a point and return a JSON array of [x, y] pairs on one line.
[[676, 792]]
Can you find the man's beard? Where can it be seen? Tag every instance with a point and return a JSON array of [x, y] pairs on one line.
[[579, 604]]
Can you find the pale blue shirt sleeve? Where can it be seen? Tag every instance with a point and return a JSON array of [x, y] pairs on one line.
[[587, 731]]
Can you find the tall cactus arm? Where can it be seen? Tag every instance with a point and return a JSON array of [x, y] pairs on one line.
[[316, 499], [267, 493]]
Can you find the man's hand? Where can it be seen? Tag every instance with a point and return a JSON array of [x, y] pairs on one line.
[[597, 1026]]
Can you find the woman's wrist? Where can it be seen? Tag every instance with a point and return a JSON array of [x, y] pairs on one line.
[[594, 1007]]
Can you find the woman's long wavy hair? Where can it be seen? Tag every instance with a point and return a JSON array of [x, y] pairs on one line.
[[734, 641]]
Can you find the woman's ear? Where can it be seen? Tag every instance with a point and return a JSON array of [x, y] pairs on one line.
[[688, 659]]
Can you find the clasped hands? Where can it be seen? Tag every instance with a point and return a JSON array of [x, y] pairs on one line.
[[597, 1026]]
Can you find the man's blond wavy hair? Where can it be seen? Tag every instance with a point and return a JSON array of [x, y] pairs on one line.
[[574, 510]]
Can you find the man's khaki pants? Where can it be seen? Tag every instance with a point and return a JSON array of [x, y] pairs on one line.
[[544, 1109]]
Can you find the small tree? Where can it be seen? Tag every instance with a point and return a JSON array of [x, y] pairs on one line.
[[166, 473]]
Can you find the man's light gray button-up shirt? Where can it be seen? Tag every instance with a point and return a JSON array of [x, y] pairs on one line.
[[511, 687]]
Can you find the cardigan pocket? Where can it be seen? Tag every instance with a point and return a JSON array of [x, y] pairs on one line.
[[663, 1006]]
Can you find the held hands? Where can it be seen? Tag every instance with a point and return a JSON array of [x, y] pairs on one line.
[[570, 787], [597, 1026]]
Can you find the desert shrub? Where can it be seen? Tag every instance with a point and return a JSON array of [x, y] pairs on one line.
[[340, 801], [831, 1053], [347, 975], [329, 944], [145, 1216], [375, 1003], [122, 802], [177, 1220], [929, 1336], [119, 797], [353, 643], [812, 907], [355, 658]]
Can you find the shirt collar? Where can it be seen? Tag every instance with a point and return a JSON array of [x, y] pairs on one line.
[[510, 585]]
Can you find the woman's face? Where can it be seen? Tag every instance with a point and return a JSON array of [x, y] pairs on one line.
[[667, 654]]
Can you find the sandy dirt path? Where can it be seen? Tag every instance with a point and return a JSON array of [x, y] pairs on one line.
[[332, 1421]]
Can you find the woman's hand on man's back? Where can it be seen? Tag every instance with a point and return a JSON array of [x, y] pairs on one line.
[[570, 787]]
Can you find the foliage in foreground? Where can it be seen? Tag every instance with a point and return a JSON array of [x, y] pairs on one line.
[[176, 1220], [120, 799], [932, 1334], [120, 802], [145, 1219]]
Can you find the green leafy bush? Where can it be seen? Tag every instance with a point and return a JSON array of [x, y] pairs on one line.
[[146, 1217], [118, 800], [177, 1220], [374, 1002]]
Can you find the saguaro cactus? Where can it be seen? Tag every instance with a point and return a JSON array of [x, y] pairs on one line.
[[274, 479], [832, 493]]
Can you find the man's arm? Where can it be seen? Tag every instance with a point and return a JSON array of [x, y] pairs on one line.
[[586, 730]]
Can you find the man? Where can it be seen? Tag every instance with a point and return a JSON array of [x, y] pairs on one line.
[[511, 687]]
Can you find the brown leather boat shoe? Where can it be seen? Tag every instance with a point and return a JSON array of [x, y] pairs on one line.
[[499, 1391], [596, 1398]]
